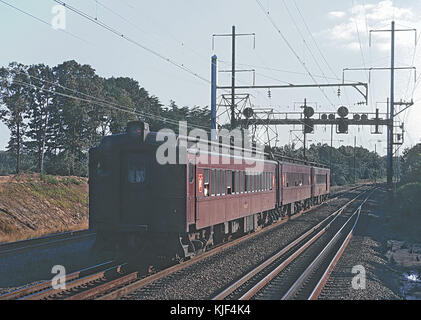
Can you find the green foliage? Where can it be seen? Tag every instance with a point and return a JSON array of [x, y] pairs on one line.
[[408, 200], [411, 164], [52, 132], [368, 165], [49, 179], [71, 180]]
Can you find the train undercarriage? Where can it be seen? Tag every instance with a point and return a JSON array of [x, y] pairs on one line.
[[164, 247]]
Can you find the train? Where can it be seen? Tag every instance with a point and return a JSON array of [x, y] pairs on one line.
[[178, 210]]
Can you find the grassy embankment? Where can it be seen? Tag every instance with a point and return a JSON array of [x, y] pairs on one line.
[[33, 205]]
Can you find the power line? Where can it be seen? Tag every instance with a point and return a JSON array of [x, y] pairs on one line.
[[290, 47], [121, 35], [287, 71], [305, 42], [41, 20], [359, 39], [318, 47], [102, 103]]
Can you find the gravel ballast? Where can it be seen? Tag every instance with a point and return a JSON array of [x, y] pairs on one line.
[[367, 249], [205, 279]]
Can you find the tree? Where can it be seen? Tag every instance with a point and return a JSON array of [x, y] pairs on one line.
[[14, 106], [40, 112], [76, 120], [411, 164]]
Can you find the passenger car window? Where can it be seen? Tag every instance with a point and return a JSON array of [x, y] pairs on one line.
[[101, 168], [213, 182], [229, 181], [191, 172], [136, 171], [206, 190]]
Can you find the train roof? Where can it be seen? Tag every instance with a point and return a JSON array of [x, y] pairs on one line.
[[152, 139]]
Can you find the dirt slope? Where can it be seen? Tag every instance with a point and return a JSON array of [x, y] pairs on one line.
[[34, 205]]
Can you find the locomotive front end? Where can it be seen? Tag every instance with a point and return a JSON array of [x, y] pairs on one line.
[[134, 204]]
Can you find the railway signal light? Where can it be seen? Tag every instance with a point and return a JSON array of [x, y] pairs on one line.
[[308, 112], [343, 111], [342, 126], [308, 126]]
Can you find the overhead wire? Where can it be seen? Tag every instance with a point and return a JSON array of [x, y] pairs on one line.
[[43, 21], [291, 48], [129, 39], [101, 102], [305, 43]]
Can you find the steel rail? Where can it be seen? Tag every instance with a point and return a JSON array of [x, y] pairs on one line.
[[263, 282], [283, 251], [131, 281], [319, 257], [45, 286], [319, 286], [120, 292]]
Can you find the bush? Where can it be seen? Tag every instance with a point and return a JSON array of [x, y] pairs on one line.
[[71, 180], [408, 199], [49, 179]]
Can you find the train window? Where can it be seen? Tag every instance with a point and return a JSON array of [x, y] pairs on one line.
[[263, 181], [266, 181], [136, 171], [233, 186], [326, 181], [237, 182], [101, 167], [229, 182], [191, 172], [223, 179], [251, 183], [271, 181], [256, 182], [243, 182], [213, 182], [218, 182], [206, 190]]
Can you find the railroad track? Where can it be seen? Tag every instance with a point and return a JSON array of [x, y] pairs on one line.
[[300, 270], [87, 283], [111, 280], [45, 242]]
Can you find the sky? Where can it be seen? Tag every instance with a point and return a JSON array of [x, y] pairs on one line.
[[297, 42]]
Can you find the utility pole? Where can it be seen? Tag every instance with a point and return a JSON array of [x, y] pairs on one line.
[[331, 146], [355, 145], [392, 102], [233, 80], [233, 36], [213, 96]]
